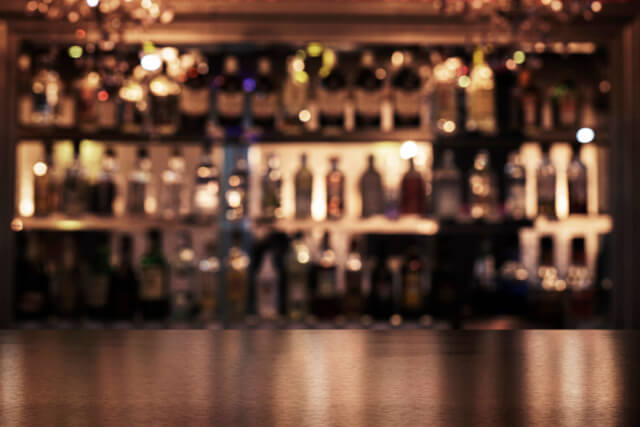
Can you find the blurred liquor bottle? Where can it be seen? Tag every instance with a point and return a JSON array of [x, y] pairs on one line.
[[303, 189], [371, 190], [154, 280], [237, 279], [335, 191], [368, 93], [546, 179], [324, 294], [264, 98], [447, 188]]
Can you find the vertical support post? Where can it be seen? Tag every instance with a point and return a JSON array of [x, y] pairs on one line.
[[625, 170]]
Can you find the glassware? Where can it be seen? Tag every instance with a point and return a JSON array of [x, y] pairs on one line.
[[267, 287], [138, 184], [515, 174], [206, 195], [413, 192], [164, 96], [332, 96], [154, 280], [183, 279], [406, 94], [172, 191], [303, 189], [577, 178], [482, 186], [230, 96], [324, 293], [237, 276], [368, 93], [75, 188], [546, 177], [372, 190], [264, 98], [208, 283], [104, 190], [335, 191], [298, 261], [447, 188], [236, 195]]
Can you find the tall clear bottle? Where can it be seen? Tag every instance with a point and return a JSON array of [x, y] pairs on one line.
[[46, 185], [546, 178], [371, 190], [368, 93], [75, 187], [303, 189], [412, 192], [482, 187], [46, 92], [183, 275], [237, 191], [271, 189], [138, 184], [237, 279], [335, 191], [445, 107], [267, 287], [481, 114], [206, 193], [195, 97], [295, 97], [208, 283], [172, 206], [577, 178], [515, 200], [447, 188]]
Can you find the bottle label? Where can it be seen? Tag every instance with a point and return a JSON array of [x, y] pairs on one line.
[[303, 203], [264, 105], [97, 291], [194, 102], [481, 110], [367, 102], [152, 283], [332, 103], [407, 103], [230, 104], [412, 298], [326, 284]]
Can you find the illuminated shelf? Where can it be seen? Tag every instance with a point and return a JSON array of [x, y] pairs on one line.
[[575, 224], [507, 140], [378, 225], [94, 223]]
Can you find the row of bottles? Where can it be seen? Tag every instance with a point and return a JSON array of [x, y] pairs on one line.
[[285, 278], [440, 195], [166, 92]]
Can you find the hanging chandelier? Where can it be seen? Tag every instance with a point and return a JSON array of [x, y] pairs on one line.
[[111, 16]]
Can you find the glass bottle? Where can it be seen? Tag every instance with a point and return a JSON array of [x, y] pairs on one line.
[[267, 287], [104, 190], [236, 195], [295, 97], [46, 186], [484, 267], [183, 276], [297, 267], [546, 177], [578, 275], [96, 289], [335, 191], [371, 190], [481, 115], [577, 179], [75, 188], [139, 183], [445, 115], [264, 98], [515, 174], [230, 97], [482, 187], [86, 89], [368, 93], [412, 289], [68, 279], [529, 102], [380, 302], [123, 290], [46, 92], [164, 96], [547, 273], [324, 293], [134, 104], [25, 95], [413, 192], [406, 94], [208, 280], [66, 109], [547, 119], [195, 97], [237, 278], [332, 96], [447, 188], [565, 103], [107, 104], [271, 189], [206, 194], [33, 284], [303, 188], [352, 302], [171, 202], [154, 280]]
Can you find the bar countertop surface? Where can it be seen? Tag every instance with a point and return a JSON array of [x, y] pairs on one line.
[[319, 378]]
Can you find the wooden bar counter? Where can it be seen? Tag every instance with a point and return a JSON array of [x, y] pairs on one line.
[[319, 378]]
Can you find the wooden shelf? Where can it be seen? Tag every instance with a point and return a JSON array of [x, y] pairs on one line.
[[95, 223]]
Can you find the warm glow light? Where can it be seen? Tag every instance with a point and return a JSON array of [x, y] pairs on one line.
[[17, 225], [93, 3], [75, 51], [449, 126], [596, 6], [585, 135], [314, 49], [151, 62], [519, 57], [397, 58], [464, 81], [304, 116], [40, 169], [408, 150], [26, 207], [169, 54]]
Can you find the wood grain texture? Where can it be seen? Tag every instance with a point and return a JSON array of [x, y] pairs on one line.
[[319, 378]]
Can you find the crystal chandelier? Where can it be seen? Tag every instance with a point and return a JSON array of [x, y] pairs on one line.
[[111, 16]]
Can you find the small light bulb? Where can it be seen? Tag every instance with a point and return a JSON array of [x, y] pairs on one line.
[[151, 62], [408, 150], [93, 3], [585, 135]]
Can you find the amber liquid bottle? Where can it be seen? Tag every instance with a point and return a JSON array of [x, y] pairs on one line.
[[335, 191], [413, 192]]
